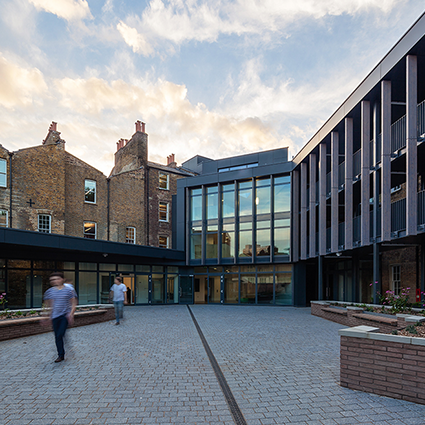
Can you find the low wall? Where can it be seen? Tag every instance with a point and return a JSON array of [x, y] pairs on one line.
[[17, 328], [388, 365], [357, 316]]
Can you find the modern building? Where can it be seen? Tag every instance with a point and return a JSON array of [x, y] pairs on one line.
[[344, 219]]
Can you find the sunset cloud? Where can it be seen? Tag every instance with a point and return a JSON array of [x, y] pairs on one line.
[[67, 9]]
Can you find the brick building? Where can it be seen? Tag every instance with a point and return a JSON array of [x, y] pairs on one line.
[[46, 189]]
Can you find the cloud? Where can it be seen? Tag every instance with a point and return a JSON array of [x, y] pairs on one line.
[[69, 10], [135, 40], [179, 21], [20, 86]]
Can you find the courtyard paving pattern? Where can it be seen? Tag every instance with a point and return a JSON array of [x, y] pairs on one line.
[[281, 364]]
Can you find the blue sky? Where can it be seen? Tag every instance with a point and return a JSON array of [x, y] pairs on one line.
[[213, 77]]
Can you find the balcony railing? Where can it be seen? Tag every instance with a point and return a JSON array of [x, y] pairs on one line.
[[357, 163], [341, 174], [398, 134], [341, 234], [421, 207], [421, 118], [357, 228], [398, 215]]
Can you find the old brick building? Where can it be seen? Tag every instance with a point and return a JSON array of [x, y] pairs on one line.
[[46, 189]]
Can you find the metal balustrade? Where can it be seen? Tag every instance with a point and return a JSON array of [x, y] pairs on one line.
[[341, 174], [341, 234], [398, 215], [357, 163], [357, 229], [398, 134], [421, 207], [421, 119]]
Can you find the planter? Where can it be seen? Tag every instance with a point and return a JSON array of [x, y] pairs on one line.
[[388, 365], [348, 315], [17, 328]]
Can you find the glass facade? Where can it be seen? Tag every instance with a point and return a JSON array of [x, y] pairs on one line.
[[227, 220]]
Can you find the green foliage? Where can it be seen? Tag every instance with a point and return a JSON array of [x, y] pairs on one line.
[[394, 332], [398, 303], [411, 329]]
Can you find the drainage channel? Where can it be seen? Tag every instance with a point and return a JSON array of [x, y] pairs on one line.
[[231, 402]]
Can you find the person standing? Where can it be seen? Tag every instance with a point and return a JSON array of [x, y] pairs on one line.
[[119, 289], [62, 301]]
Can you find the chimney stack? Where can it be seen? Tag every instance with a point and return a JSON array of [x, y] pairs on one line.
[[171, 161], [140, 126]]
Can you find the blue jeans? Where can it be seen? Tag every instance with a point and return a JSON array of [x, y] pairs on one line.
[[119, 307], [60, 325]]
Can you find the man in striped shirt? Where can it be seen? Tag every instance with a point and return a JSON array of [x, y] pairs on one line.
[[62, 301]]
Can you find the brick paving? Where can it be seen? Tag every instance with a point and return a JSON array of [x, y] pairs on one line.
[[281, 363]]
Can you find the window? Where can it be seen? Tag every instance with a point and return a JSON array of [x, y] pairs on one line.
[[163, 241], [163, 181], [163, 211], [130, 235], [90, 191], [396, 281], [3, 218], [89, 230], [3, 173], [44, 221]]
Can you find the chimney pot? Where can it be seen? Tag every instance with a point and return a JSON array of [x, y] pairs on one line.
[[143, 127]]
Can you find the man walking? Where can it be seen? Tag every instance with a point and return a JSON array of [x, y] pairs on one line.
[[119, 289], [62, 301]]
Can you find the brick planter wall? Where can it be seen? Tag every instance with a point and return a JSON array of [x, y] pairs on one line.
[[388, 365], [356, 316], [17, 328]]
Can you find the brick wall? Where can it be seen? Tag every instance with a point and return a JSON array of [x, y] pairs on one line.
[[38, 175], [406, 259], [392, 368], [77, 210], [127, 205]]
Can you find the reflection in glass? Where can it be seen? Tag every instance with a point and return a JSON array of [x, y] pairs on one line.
[[214, 289], [282, 198], [142, 289], [87, 288], [157, 289], [17, 288], [247, 289], [262, 200], [196, 208], [228, 244], [231, 288], [212, 245], [228, 200], [282, 179], [245, 199], [195, 244], [265, 289], [283, 288], [245, 243], [263, 242], [172, 289], [212, 203], [282, 241]]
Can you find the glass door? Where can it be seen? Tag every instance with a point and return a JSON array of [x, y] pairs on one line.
[[186, 290], [214, 289], [127, 280], [143, 290]]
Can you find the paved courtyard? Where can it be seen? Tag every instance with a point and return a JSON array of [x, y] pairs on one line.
[[281, 364]]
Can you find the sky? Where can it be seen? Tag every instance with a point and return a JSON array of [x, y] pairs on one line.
[[210, 77]]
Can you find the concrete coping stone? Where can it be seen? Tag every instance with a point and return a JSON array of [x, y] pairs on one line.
[[368, 332], [414, 319], [320, 302], [354, 308]]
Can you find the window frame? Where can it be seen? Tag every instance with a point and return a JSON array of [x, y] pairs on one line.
[[3, 173], [95, 191], [167, 181], [95, 230], [132, 240], [167, 220], [7, 217], [396, 269], [39, 229], [167, 240]]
